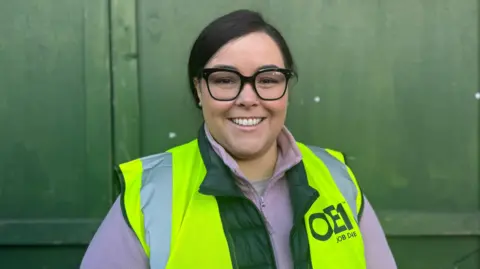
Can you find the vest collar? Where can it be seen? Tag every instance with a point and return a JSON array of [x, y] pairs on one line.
[[219, 180], [302, 195]]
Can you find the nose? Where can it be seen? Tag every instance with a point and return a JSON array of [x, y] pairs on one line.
[[248, 97]]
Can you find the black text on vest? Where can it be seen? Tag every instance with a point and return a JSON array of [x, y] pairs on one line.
[[338, 225]]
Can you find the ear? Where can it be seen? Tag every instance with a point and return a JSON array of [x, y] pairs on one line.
[[198, 89]]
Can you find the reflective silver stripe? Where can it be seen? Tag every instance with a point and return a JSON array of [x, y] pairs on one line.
[[156, 202], [340, 175]]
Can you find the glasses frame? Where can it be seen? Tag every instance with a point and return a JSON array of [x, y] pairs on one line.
[[289, 74]]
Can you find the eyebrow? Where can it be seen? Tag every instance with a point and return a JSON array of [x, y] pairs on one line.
[[230, 67]]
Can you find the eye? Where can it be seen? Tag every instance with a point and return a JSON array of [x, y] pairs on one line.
[[270, 78], [223, 81], [224, 78], [267, 81]]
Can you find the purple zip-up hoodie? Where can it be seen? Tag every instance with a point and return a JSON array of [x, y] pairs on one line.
[[115, 246]]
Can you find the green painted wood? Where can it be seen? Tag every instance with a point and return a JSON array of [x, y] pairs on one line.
[[55, 139], [41, 257], [434, 252], [399, 223], [391, 83], [125, 81], [125, 90], [47, 232]]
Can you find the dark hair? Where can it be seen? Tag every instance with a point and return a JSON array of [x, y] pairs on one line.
[[224, 29]]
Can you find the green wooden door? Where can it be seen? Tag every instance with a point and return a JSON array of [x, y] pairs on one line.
[[391, 83], [55, 138]]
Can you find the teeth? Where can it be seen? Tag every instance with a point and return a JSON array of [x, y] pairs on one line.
[[247, 122]]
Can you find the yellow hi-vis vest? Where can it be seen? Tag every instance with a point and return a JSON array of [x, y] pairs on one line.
[[181, 228]]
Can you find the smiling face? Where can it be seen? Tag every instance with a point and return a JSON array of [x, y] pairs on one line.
[[247, 127]]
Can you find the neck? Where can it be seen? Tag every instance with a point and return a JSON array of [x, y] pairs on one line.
[[260, 168]]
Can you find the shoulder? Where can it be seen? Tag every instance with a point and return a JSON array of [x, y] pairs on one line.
[[135, 168], [322, 153], [134, 174], [159, 164], [163, 159], [152, 161]]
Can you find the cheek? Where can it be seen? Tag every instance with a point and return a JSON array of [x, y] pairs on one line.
[[215, 110], [279, 107]]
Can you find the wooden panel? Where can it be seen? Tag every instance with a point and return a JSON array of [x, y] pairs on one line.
[[55, 139], [125, 82]]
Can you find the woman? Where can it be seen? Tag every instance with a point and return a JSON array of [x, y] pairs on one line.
[[244, 194]]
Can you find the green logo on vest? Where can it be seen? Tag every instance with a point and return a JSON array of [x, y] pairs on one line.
[[338, 217]]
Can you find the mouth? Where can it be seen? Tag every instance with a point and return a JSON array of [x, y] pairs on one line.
[[247, 122]]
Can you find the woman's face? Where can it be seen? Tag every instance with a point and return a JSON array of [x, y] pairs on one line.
[[233, 123]]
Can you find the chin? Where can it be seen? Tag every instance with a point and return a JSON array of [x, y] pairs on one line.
[[244, 154], [246, 151]]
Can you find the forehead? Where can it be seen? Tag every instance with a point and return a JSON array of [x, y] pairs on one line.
[[249, 52]]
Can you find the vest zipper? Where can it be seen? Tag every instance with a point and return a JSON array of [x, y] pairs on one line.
[[264, 222]]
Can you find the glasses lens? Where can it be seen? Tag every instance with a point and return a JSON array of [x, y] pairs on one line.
[[271, 84], [224, 85]]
